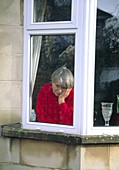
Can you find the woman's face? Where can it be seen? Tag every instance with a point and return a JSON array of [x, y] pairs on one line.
[[57, 89]]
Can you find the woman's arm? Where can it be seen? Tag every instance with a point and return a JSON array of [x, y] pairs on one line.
[[66, 108]]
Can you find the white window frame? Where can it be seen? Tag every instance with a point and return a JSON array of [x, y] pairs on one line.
[[89, 64], [50, 25], [84, 28]]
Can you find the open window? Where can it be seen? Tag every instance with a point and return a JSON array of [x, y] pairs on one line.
[[51, 37]]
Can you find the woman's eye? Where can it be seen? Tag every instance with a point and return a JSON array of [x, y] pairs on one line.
[[63, 88], [58, 86]]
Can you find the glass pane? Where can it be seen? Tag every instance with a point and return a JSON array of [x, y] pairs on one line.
[[107, 64], [52, 10], [49, 52]]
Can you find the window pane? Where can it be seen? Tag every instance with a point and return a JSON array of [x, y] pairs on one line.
[[107, 61], [49, 52], [52, 10]]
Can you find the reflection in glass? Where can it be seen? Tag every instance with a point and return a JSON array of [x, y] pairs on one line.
[[52, 10], [107, 60], [49, 52]]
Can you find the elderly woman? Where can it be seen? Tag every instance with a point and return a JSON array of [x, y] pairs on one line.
[[55, 100]]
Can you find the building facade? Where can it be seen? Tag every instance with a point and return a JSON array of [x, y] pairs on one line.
[[36, 150]]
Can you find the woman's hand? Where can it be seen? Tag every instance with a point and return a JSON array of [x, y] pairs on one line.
[[63, 95]]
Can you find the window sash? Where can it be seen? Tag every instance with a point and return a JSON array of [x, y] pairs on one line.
[[87, 125], [27, 99], [28, 5]]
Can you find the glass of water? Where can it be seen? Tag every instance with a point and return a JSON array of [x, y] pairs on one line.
[[107, 111]]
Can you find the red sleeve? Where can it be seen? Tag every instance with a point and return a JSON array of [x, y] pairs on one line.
[[66, 110], [41, 112]]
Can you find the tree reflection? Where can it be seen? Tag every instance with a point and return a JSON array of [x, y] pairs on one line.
[[111, 34]]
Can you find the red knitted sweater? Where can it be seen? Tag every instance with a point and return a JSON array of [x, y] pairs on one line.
[[48, 110]]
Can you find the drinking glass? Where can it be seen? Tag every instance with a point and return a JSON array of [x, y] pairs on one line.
[[107, 111]]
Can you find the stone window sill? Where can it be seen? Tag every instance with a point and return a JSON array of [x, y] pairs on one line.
[[15, 130]]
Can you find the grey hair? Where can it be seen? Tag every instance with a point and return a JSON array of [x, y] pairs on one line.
[[63, 77]]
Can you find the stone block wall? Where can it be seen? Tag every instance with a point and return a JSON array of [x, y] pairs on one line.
[[28, 154], [11, 54], [25, 154], [100, 157]]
